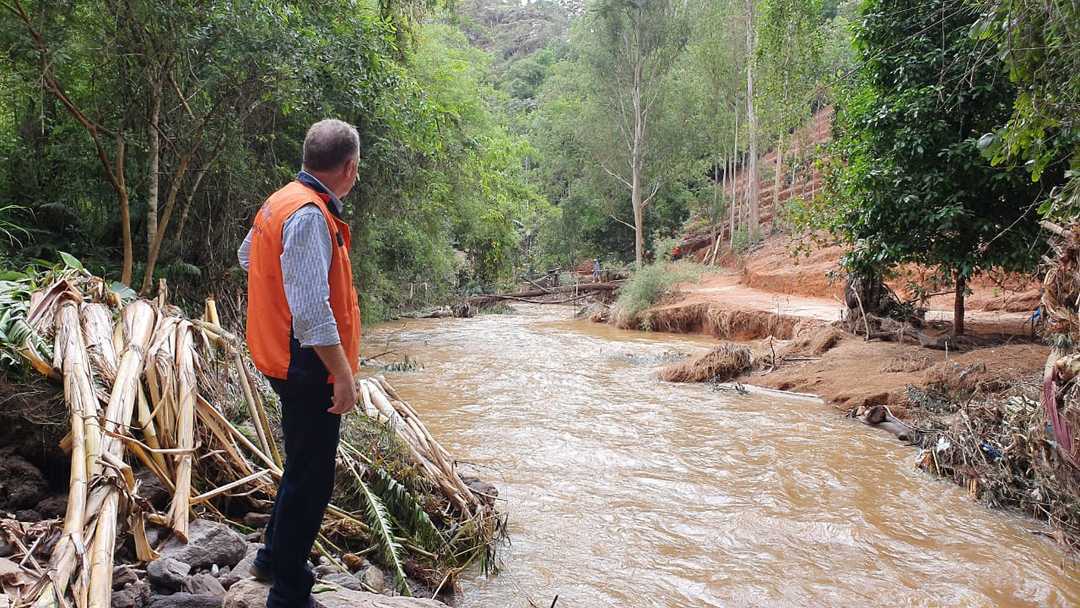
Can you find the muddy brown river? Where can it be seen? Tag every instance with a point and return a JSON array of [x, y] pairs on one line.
[[626, 491]]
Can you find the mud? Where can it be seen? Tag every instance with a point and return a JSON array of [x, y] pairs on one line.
[[626, 491]]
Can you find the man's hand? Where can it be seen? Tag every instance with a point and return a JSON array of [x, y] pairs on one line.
[[344, 396], [333, 357]]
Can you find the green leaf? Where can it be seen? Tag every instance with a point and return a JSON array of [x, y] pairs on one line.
[[125, 293], [71, 261], [383, 537]]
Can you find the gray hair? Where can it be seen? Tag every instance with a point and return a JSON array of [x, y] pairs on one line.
[[329, 144]]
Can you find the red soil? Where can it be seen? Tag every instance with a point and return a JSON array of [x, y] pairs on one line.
[[792, 299]]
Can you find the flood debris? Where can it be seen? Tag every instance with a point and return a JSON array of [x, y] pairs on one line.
[[1015, 444], [160, 403], [722, 363]]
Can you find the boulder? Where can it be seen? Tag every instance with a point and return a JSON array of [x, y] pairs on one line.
[[53, 506], [204, 584], [29, 516], [485, 491], [242, 569], [134, 595], [208, 543], [123, 576], [374, 579], [22, 485], [167, 573], [186, 600], [251, 594], [151, 488], [342, 579]]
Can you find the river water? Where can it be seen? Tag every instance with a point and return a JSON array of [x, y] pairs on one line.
[[626, 491]]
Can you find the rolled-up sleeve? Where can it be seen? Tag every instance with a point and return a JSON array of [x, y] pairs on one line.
[[305, 267], [243, 254]]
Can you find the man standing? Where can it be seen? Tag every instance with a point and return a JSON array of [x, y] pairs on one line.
[[303, 330]]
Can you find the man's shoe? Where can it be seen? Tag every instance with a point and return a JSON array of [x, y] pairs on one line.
[[260, 574]]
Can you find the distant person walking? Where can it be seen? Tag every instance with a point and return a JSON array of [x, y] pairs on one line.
[[303, 329], [596, 270]]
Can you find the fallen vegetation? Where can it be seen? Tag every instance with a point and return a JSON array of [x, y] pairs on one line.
[[150, 393]]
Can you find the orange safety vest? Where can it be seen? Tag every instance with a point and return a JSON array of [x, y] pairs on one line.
[[275, 351]]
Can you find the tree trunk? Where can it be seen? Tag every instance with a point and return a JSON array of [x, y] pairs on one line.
[[635, 170], [751, 117], [777, 179], [958, 305], [159, 236], [154, 139], [120, 183], [734, 174]]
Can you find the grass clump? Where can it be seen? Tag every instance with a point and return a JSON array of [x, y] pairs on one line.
[[649, 286]]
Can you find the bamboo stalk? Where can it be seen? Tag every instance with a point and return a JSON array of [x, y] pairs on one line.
[[138, 318], [208, 412], [206, 496], [97, 327], [263, 420], [77, 391], [258, 416], [146, 425], [186, 385]]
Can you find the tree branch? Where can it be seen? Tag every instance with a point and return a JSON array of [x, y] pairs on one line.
[[648, 199], [615, 175]]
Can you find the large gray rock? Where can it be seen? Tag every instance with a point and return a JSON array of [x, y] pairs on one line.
[[251, 594], [134, 595], [53, 506], [186, 600], [374, 579], [243, 569], [151, 488], [342, 579], [167, 573], [123, 576], [204, 584], [208, 543]]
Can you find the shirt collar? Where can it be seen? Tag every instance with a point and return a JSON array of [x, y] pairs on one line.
[[313, 182]]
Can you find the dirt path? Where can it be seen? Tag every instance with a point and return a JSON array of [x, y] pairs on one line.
[[725, 289], [843, 369]]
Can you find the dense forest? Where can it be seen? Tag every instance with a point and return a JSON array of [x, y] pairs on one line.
[[501, 139]]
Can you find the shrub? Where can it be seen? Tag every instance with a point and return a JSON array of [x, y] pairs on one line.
[[649, 286]]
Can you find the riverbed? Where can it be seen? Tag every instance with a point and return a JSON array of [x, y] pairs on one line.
[[625, 491]]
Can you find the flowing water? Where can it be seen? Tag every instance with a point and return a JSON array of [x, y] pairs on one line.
[[626, 491]]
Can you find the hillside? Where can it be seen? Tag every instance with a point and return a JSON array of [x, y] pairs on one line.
[[511, 30]]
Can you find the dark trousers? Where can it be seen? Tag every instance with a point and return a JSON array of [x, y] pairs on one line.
[[311, 440]]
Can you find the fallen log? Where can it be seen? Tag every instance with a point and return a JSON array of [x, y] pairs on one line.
[[487, 299]]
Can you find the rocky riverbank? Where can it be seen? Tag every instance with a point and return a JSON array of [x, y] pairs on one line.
[[139, 445]]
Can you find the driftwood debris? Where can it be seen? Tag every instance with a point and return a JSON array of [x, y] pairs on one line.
[[141, 391], [532, 294], [1061, 293]]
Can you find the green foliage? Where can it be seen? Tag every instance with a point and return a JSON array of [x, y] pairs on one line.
[[442, 200], [1039, 43], [908, 183], [791, 38], [650, 285], [744, 238], [382, 535], [407, 511], [11, 229]]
